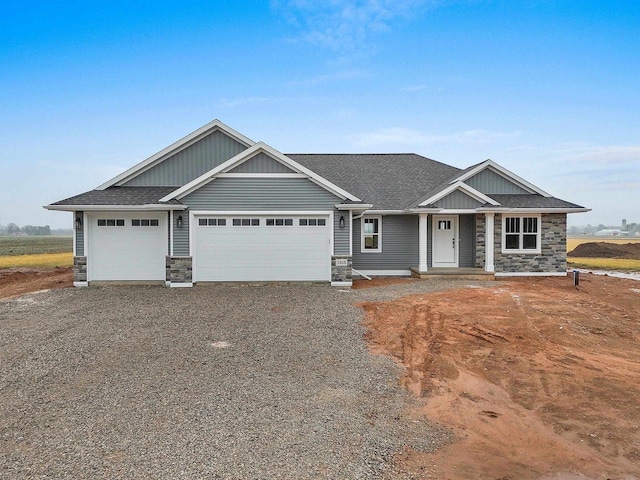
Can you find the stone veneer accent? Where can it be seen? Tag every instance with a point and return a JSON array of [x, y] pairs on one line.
[[553, 256], [480, 240], [79, 269], [178, 269], [341, 274]]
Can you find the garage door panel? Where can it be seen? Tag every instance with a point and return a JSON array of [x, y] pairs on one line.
[[127, 252], [262, 253]]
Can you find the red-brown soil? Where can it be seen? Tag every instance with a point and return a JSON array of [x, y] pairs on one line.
[[538, 378], [15, 282], [606, 250]]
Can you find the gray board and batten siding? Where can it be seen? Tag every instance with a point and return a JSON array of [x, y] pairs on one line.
[[487, 181], [457, 199], [399, 245], [261, 163], [189, 163], [256, 194]]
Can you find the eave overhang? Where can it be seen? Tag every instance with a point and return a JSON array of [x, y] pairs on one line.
[[106, 208]]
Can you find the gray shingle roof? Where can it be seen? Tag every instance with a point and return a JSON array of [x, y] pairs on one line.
[[392, 181], [120, 196], [530, 201]]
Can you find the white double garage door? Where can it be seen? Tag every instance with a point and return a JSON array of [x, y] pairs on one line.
[[275, 247], [265, 247]]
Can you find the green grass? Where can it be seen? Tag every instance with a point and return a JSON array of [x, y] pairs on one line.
[[13, 246]]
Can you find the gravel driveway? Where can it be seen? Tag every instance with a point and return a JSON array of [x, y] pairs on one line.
[[209, 382]]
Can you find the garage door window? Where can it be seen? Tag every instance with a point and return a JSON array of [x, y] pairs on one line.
[[212, 222], [313, 222], [110, 222], [246, 222], [279, 222], [144, 222]]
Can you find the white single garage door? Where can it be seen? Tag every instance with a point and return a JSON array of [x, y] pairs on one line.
[[127, 246], [262, 248]]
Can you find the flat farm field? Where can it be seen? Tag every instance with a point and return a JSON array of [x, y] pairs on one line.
[[606, 260], [36, 252]]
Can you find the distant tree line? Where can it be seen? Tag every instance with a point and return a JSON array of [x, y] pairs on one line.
[[590, 229], [13, 229]]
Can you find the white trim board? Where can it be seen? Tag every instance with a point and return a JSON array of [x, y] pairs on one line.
[[464, 188], [188, 140], [242, 157], [530, 274]]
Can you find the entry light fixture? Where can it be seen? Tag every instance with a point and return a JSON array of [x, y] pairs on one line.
[[341, 221], [179, 221], [78, 223]]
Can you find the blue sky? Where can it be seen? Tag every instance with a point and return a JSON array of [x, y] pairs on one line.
[[548, 89]]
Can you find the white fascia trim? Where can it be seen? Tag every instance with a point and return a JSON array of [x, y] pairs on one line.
[[530, 274], [246, 155], [459, 185], [386, 273], [505, 173], [261, 175], [386, 212], [351, 206], [532, 210], [180, 285], [103, 208], [175, 148], [341, 284], [458, 211], [80, 284], [424, 210]]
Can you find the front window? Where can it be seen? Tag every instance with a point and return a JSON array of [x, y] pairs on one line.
[[521, 234], [371, 234]]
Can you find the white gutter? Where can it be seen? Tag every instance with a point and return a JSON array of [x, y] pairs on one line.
[[104, 208]]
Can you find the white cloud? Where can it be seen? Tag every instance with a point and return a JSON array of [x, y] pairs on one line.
[[602, 154], [415, 88], [408, 136], [344, 24]]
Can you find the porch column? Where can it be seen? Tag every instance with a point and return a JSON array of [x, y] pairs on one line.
[[489, 229], [422, 242]]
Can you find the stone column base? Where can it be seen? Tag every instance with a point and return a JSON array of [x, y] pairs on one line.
[[179, 271], [80, 272], [341, 275]]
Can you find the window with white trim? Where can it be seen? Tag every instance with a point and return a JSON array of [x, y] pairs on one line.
[[371, 233], [521, 234]]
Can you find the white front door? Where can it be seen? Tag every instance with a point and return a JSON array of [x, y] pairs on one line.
[[445, 241]]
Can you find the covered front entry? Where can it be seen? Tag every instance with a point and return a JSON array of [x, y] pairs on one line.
[[445, 244], [264, 247]]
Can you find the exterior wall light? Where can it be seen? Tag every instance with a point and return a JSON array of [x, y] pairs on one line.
[[341, 221], [179, 221], [78, 223]]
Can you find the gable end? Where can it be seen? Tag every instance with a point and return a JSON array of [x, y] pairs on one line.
[[261, 163], [489, 181]]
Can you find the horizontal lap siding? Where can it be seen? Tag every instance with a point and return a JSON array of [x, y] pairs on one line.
[[399, 245], [466, 256], [190, 163], [490, 182], [79, 235], [268, 194]]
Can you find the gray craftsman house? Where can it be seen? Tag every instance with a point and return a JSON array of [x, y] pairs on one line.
[[218, 207]]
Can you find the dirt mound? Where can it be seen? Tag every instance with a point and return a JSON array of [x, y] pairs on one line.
[[537, 377], [606, 250], [15, 282]]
